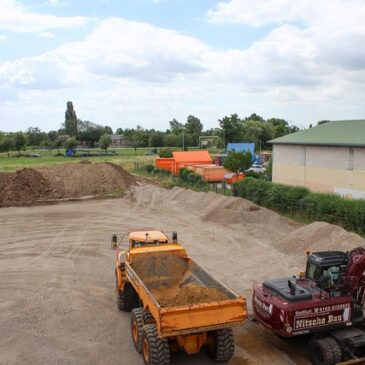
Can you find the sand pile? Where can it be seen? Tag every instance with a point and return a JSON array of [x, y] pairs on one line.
[[319, 236], [62, 181]]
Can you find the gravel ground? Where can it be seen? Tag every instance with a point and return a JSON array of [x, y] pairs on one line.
[[57, 297]]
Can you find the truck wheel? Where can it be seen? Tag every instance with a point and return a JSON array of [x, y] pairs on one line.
[[120, 298], [131, 299], [155, 350], [325, 351], [148, 317], [222, 348], [136, 327]]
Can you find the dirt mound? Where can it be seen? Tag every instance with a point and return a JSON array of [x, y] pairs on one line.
[[62, 181], [189, 294], [319, 236], [24, 186]]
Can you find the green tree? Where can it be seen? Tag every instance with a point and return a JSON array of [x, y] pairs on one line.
[[70, 143], [156, 139], [232, 128], [20, 141], [255, 117], [175, 126], [105, 141], [172, 140], [90, 132], [193, 125], [108, 130], [34, 136], [7, 144], [71, 122], [58, 143], [237, 161]]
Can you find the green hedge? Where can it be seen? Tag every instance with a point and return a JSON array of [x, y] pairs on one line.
[[330, 208]]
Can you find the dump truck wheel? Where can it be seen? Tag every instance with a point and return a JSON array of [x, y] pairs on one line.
[[148, 317], [222, 347], [131, 299], [136, 327], [120, 298], [155, 350], [325, 351]]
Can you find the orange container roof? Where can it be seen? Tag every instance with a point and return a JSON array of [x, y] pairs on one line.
[[192, 156]]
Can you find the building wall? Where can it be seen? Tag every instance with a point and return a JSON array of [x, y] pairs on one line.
[[338, 170]]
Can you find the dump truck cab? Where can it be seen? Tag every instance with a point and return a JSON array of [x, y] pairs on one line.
[[152, 241]]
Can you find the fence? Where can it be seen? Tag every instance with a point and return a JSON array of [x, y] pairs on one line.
[[177, 180]]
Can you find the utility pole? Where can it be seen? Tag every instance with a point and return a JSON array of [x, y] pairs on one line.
[[183, 130]]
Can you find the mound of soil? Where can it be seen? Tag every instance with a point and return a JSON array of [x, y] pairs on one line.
[[23, 187], [62, 181], [189, 294]]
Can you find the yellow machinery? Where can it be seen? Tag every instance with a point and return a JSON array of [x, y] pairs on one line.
[[175, 304]]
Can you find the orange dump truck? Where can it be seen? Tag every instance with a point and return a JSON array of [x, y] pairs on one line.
[[175, 304]]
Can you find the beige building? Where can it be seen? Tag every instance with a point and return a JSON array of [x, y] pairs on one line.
[[326, 158]]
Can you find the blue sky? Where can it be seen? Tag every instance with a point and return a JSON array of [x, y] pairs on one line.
[[145, 62]]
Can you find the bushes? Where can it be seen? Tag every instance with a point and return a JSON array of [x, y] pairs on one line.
[[330, 208]]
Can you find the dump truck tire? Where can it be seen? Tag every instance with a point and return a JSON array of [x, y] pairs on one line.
[[148, 317], [155, 350], [325, 351], [131, 299], [137, 315], [120, 297], [223, 345]]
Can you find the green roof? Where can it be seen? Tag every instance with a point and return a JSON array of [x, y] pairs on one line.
[[336, 133]]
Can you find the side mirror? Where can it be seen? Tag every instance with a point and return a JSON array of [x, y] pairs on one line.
[[114, 243], [174, 236]]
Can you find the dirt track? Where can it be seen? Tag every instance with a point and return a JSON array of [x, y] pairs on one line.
[[57, 282]]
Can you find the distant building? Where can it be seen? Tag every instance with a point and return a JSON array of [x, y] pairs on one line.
[[326, 158], [119, 140]]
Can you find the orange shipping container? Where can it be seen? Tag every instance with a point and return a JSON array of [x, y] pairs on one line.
[[211, 173], [190, 157], [231, 178], [165, 164]]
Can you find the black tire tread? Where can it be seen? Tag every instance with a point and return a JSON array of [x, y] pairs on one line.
[[159, 347], [148, 317], [224, 345], [331, 351], [137, 316]]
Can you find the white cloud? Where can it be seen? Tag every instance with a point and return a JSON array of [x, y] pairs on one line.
[[264, 12], [15, 17], [46, 35], [55, 2], [3, 38], [127, 73]]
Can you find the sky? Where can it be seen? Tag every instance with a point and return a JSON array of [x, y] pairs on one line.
[[125, 63]]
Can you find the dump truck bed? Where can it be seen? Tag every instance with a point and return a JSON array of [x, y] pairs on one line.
[[182, 297]]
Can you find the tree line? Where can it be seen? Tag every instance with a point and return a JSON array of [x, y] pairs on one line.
[[75, 131]]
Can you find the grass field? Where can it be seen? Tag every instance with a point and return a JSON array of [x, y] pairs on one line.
[[123, 156]]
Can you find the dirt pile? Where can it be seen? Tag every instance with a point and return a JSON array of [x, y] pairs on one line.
[[189, 294], [319, 236], [62, 181], [23, 187]]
